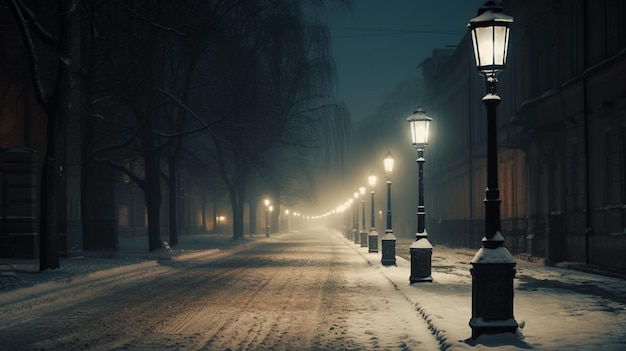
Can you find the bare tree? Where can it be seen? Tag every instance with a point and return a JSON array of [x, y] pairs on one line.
[[269, 84], [55, 103]]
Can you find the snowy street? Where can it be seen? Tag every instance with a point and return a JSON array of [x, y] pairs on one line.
[[311, 290]]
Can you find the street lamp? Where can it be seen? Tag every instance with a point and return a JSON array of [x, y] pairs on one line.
[[388, 240], [363, 233], [348, 231], [355, 223], [372, 237], [267, 223], [493, 266], [421, 249]]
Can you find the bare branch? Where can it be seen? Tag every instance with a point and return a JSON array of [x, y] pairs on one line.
[[150, 22], [34, 61], [140, 182], [47, 36], [125, 143], [205, 126]]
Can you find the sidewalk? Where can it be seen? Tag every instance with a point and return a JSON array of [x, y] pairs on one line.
[[133, 251], [557, 309]]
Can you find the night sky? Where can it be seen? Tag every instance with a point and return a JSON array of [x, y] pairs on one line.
[[380, 44]]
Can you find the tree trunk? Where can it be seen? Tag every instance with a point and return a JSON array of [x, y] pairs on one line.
[[57, 109], [173, 194], [236, 198], [152, 189], [48, 245], [253, 205]]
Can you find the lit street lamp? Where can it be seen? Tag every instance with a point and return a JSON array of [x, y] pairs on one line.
[[355, 224], [493, 266], [348, 230], [421, 249], [388, 240], [363, 233], [372, 237], [267, 223]]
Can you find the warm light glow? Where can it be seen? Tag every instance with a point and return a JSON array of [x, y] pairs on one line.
[[419, 123], [271, 208], [267, 202], [362, 190], [388, 163], [371, 179], [286, 212], [356, 195], [490, 38]]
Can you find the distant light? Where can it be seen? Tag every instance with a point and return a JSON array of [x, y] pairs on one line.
[[388, 163], [371, 179]]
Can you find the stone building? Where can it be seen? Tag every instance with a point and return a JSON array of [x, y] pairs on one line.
[[561, 135]]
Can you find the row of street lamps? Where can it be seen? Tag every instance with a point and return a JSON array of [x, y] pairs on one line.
[[493, 267], [421, 249]]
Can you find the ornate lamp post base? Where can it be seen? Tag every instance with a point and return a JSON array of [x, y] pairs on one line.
[[389, 249], [355, 236], [363, 238], [421, 255], [372, 241], [493, 270]]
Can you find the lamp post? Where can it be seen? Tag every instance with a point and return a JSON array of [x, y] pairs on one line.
[[355, 224], [493, 266], [267, 223], [372, 237], [388, 240], [421, 249], [363, 232], [348, 230]]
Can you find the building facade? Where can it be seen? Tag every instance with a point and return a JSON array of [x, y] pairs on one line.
[[561, 135]]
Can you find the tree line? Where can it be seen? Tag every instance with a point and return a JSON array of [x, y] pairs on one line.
[[240, 89]]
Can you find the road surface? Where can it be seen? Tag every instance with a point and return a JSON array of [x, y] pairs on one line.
[[296, 291]]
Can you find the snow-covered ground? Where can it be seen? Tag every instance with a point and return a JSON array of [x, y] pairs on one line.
[[558, 309], [354, 303]]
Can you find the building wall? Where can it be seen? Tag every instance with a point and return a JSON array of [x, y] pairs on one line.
[[561, 134]]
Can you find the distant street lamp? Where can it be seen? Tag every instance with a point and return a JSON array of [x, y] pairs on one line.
[[355, 227], [388, 240], [372, 237], [493, 266], [267, 222], [363, 232], [421, 249], [348, 230]]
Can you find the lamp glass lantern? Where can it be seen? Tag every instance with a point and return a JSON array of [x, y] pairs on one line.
[[490, 38], [419, 123], [362, 190], [371, 180], [388, 163]]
